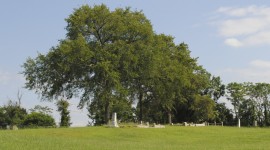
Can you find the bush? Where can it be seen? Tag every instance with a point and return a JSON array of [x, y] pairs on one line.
[[37, 119], [12, 114]]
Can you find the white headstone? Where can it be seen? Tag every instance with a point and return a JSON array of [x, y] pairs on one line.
[[14, 127], [255, 124], [239, 123], [114, 120]]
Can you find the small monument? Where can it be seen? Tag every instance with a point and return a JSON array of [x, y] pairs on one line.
[[114, 120], [158, 126], [255, 123], [239, 123], [14, 127], [141, 125]]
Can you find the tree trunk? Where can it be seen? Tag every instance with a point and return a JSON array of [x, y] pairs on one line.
[[141, 105], [265, 116], [107, 113], [169, 117]]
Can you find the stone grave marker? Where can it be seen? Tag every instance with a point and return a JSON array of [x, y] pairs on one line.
[[114, 120]]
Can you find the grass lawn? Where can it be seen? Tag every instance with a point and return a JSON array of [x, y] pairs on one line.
[[169, 138]]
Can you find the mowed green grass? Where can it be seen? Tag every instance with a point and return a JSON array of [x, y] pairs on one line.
[[169, 138]]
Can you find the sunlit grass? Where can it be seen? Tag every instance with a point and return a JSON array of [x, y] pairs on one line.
[[101, 138]]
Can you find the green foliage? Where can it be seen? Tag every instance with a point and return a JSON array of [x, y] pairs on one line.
[[89, 62], [251, 102], [203, 108], [37, 119], [236, 94], [224, 114], [113, 60], [216, 89], [64, 113], [2, 117], [12, 114], [41, 109]]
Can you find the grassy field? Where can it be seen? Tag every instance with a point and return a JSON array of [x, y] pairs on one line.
[[170, 138]]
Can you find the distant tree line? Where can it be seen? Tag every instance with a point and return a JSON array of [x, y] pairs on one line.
[[113, 61], [12, 114], [251, 102]]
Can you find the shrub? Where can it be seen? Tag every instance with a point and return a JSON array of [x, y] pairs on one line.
[[37, 119]]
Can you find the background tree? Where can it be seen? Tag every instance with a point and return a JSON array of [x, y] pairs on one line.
[[2, 117], [257, 105], [236, 94], [113, 61], [12, 114], [203, 108], [263, 90], [38, 119], [216, 90], [41, 109], [164, 76], [64, 113], [224, 114], [199, 81]]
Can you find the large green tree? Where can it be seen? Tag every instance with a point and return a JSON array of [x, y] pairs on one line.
[[95, 61], [173, 69], [112, 61]]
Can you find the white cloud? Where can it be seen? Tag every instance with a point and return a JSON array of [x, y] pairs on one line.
[[245, 26], [256, 71], [260, 64], [260, 38], [239, 12], [233, 42]]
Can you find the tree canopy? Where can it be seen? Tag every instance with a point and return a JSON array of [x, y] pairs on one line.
[[114, 61]]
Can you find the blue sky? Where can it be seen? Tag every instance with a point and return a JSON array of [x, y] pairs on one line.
[[231, 38]]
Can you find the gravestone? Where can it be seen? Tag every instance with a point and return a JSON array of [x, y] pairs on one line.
[[239, 123], [14, 127], [114, 120], [158, 126], [200, 125], [141, 125], [255, 124]]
